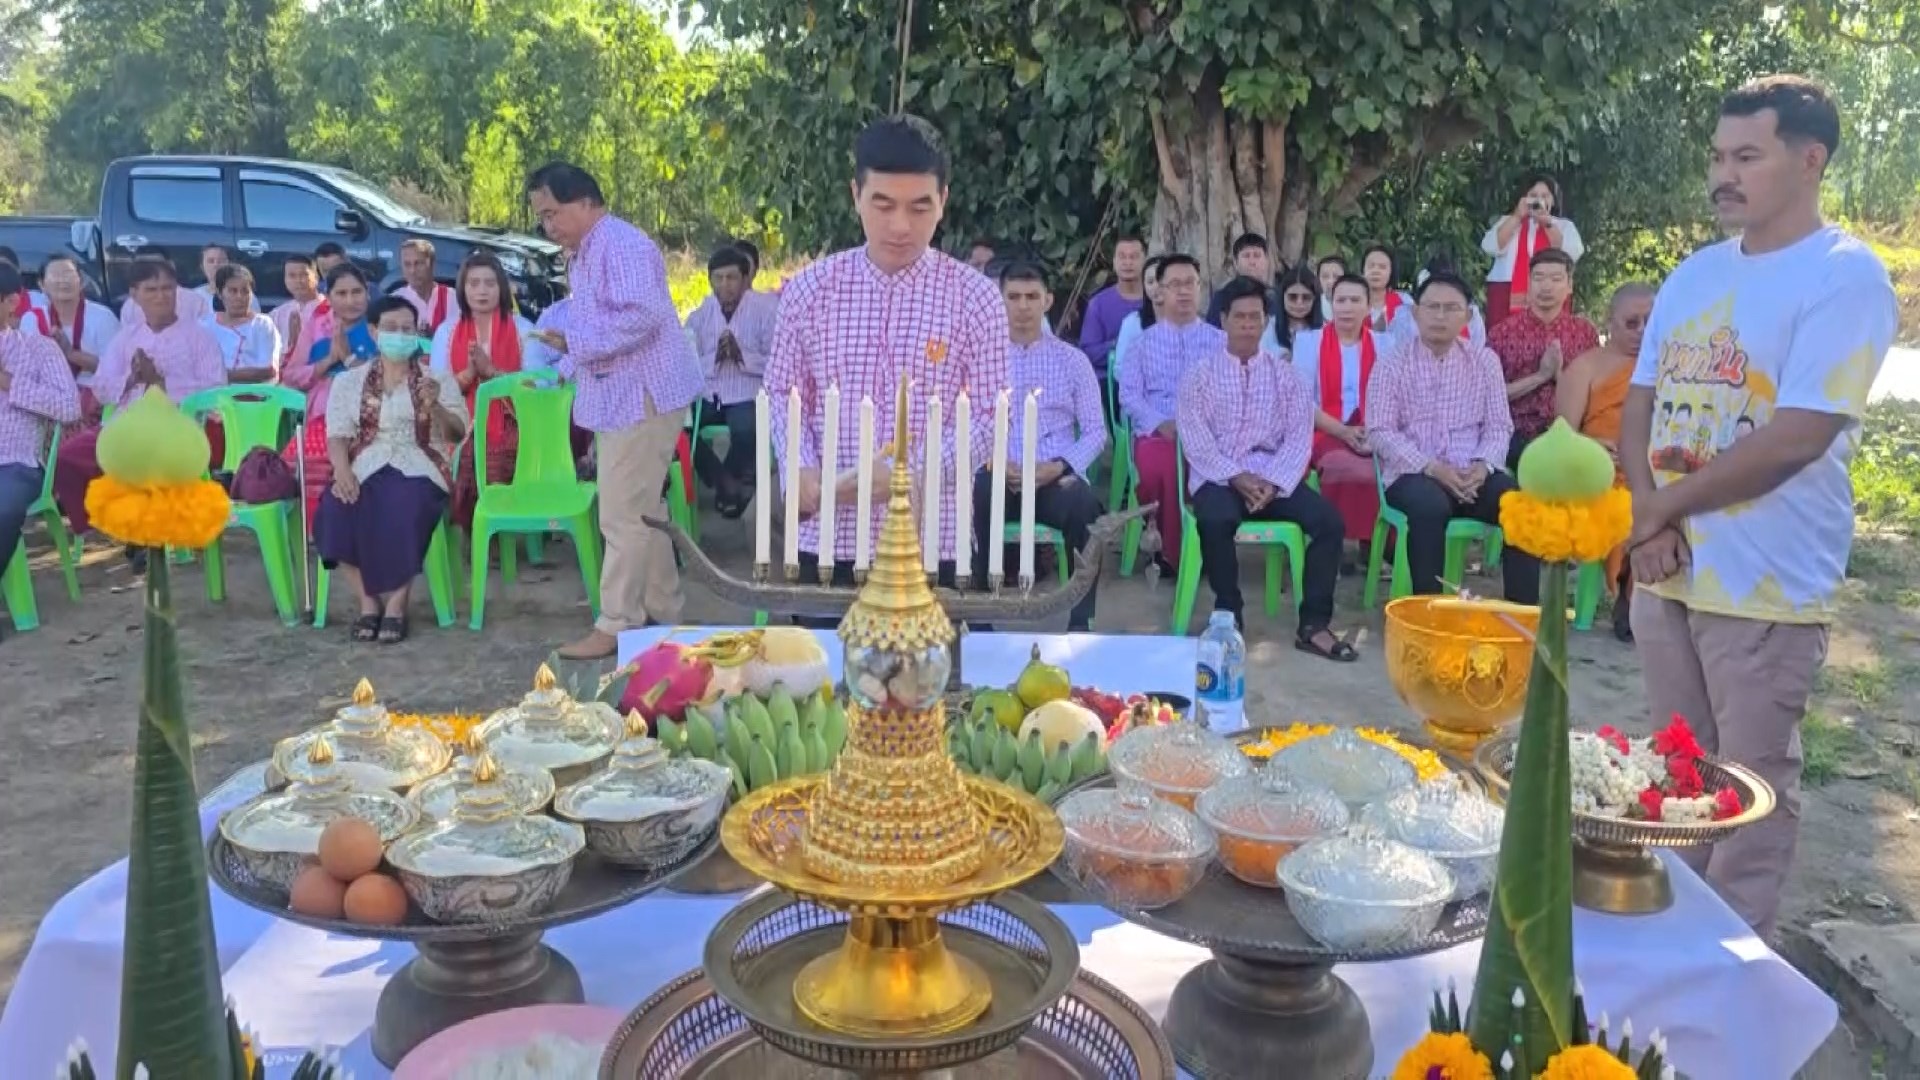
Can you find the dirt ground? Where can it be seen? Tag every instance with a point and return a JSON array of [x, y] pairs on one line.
[[70, 691]]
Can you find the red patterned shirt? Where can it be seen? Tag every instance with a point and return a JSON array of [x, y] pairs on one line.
[[1422, 408], [41, 391], [1240, 416], [625, 352], [1072, 425], [1520, 340]]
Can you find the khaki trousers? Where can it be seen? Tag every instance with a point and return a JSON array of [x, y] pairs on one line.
[[638, 581], [1743, 685]]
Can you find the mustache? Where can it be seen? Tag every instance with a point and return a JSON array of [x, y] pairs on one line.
[[1728, 192]]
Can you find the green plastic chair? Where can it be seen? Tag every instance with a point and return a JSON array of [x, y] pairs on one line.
[[545, 495], [48, 511], [1275, 536], [1461, 532], [1120, 445], [250, 416], [1042, 534], [440, 579], [1588, 584], [16, 587]]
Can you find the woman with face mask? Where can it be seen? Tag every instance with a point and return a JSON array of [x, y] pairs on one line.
[[391, 428], [348, 344], [486, 338]]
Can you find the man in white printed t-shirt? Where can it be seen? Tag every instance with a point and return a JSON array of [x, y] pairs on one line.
[[1759, 355]]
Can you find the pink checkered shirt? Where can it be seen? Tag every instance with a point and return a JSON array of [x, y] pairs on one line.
[[842, 321], [752, 325], [1240, 416], [1150, 373], [1072, 427], [1422, 408], [41, 392], [186, 353], [625, 349]]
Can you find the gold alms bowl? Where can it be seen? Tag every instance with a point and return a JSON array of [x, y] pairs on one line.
[[1462, 665]]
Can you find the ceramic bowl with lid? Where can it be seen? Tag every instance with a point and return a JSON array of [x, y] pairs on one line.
[[278, 833], [1356, 769], [1175, 761], [1258, 819], [1132, 850], [1358, 891], [527, 788], [647, 810], [490, 864], [550, 730], [369, 750], [1457, 827]]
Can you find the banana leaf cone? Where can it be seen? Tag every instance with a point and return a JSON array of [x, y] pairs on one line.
[[1529, 941]]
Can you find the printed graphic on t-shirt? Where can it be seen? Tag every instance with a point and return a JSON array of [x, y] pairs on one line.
[[1709, 393]]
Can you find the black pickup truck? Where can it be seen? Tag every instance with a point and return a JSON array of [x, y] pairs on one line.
[[263, 210]]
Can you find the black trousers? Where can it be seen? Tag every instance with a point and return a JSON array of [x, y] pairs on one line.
[[1068, 504], [1429, 507], [1218, 512], [736, 469], [1517, 446]]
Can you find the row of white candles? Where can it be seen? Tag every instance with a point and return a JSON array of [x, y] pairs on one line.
[[932, 484]]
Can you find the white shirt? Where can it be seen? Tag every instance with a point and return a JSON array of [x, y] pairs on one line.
[[1306, 364], [1502, 271], [1733, 338], [254, 344], [1129, 329], [99, 329], [394, 444], [533, 355], [214, 303]]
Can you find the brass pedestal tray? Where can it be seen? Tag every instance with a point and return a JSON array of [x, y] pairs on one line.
[[1614, 867], [464, 970]]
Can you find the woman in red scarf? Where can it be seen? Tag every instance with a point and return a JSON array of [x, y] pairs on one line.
[[1335, 362], [483, 342], [1532, 227]]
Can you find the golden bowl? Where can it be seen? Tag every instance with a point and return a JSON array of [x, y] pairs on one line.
[[1462, 665]]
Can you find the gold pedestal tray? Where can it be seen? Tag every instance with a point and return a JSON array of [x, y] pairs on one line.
[[1614, 868], [1461, 665]]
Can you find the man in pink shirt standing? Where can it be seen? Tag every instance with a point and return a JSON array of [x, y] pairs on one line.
[[430, 299], [636, 374]]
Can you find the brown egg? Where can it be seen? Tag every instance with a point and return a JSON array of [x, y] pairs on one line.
[[349, 848], [377, 900], [316, 893]]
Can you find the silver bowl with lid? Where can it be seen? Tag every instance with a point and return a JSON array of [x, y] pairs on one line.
[[551, 730], [1358, 770], [646, 809], [1459, 828], [1260, 818], [277, 834], [1360, 891], [368, 749], [1130, 849], [491, 863], [528, 788]]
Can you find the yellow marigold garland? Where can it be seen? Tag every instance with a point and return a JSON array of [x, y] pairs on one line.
[[452, 728], [1586, 1063], [1567, 531], [188, 515], [1443, 1057]]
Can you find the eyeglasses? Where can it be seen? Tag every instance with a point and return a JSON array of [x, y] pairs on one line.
[[1444, 309]]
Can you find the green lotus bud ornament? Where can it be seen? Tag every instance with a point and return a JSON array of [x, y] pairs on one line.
[[1565, 466], [151, 443]]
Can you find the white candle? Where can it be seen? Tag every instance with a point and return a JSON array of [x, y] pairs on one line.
[[863, 500], [1029, 448], [930, 490], [829, 481], [962, 488], [997, 501], [793, 483], [763, 482]]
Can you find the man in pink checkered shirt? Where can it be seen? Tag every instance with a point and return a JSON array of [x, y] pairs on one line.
[[635, 374], [36, 391], [732, 332], [1246, 429], [1073, 430], [1438, 422], [866, 318]]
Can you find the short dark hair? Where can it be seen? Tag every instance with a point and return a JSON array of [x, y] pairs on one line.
[[12, 282], [1241, 288], [70, 260], [152, 253], [567, 183], [143, 270], [983, 242], [1441, 262], [1803, 107], [1129, 238], [387, 303], [303, 260], [1393, 264], [901, 145], [340, 273], [1551, 257], [329, 250], [229, 273], [751, 250], [1350, 279], [1337, 260], [9, 256], [1022, 270], [1248, 240], [1447, 280], [728, 256], [221, 248], [1177, 258]]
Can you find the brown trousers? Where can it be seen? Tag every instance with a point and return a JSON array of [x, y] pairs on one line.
[[638, 581], [1743, 685]]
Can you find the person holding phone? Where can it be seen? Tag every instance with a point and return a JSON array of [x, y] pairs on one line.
[[1534, 225]]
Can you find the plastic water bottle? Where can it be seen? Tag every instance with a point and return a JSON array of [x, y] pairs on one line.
[[1220, 676]]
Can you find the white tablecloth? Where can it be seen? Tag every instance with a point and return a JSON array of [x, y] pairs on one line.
[[1730, 1006]]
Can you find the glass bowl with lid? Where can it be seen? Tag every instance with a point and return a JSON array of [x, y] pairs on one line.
[[368, 749], [528, 788], [1260, 818], [1176, 761], [1356, 769], [277, 834], [490, 864], [551, 730], [1132, 850], [1360, 892], [1457, 827], [647, 810]]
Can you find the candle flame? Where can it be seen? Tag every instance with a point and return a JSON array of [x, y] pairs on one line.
[[543, 679], [363, 693]]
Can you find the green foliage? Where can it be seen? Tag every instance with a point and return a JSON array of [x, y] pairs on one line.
[[1886, 470], [25, 107]]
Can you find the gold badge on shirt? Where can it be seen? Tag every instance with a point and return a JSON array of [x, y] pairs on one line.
[[936, 351]]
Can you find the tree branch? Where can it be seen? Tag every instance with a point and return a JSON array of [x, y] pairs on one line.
[[1170, 179], [1247, 176], [1273, 172]]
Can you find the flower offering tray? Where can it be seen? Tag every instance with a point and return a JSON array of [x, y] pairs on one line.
[[1614, 868], [464, 970]]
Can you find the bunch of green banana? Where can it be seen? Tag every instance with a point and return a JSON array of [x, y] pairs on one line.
[[984, 748], [762, 742]]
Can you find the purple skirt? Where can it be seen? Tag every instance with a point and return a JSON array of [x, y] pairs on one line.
[[384, 534]]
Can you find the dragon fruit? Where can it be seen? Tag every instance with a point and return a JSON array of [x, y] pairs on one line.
[[686, 679]]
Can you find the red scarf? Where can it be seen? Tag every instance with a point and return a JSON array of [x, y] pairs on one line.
[[1524, 247], [1330, 365], [437, 306], [1393, 304], [503, 349]]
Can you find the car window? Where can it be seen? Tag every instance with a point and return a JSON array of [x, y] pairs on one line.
[[179, 200], [269, 204]]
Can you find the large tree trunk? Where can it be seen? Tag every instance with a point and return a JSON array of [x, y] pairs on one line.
[[1222, 173]]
